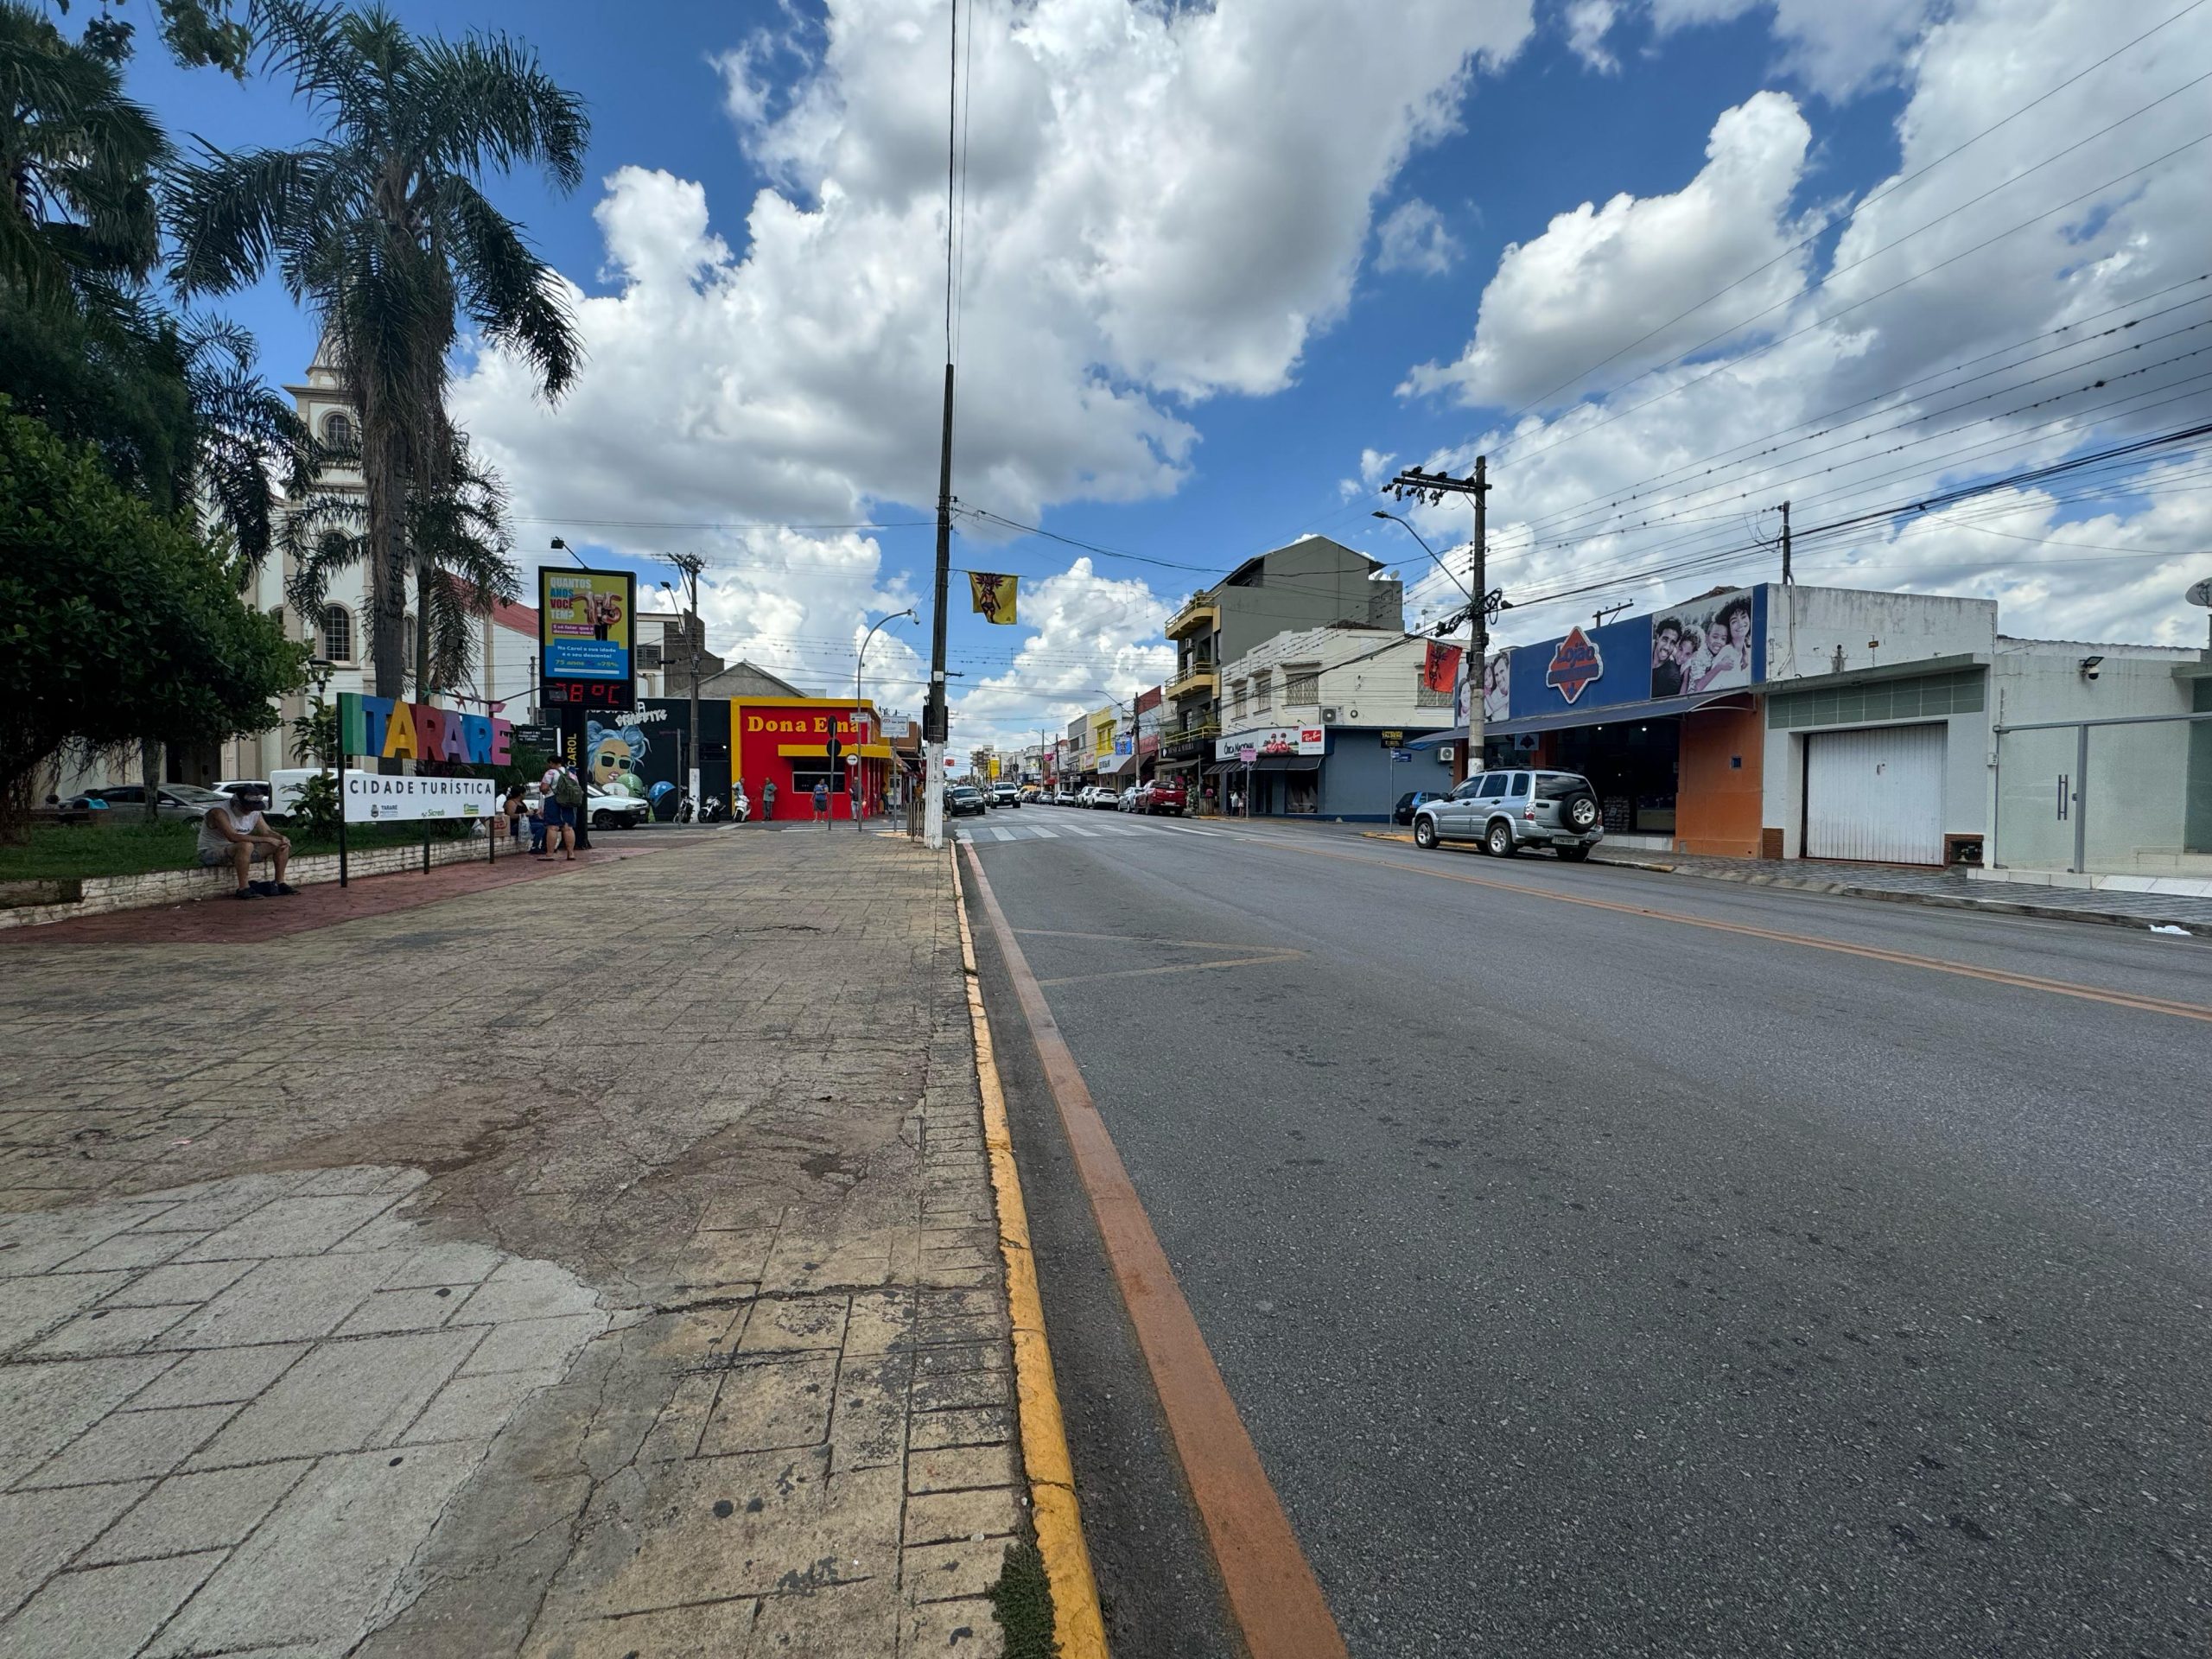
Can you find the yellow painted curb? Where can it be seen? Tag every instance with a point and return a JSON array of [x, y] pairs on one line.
[[1076, 1621], [1382, 835]]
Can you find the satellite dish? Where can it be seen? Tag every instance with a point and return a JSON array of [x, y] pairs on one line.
[[2201, 594]]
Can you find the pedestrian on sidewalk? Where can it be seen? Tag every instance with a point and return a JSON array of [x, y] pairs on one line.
[[562, 798], [822, 804], [768, 802]]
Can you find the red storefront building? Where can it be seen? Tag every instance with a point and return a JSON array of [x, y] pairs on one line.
[[786, 741]]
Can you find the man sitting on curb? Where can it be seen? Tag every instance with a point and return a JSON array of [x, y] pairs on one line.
[[236, 834]]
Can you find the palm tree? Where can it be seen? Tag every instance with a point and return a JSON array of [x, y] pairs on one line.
[[77, 165], [460, 546], [381, 228]]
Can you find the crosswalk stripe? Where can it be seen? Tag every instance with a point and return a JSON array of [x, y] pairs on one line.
[[1003, 834], [1074, 829], [1043, 834]]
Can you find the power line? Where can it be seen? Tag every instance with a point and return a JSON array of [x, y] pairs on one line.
[[1858, 207], [1823, 322], [1780, 439]]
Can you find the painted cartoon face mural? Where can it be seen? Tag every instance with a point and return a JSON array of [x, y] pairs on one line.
[[616, 753]]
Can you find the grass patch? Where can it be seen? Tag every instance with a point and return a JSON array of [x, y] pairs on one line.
[[1022, 1603], [65, 852]]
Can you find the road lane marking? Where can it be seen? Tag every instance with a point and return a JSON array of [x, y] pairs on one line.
[[1268, 960], [1272, 1595], [1809, 941], [1074, 829], [1077, 1622], [1043, 834]]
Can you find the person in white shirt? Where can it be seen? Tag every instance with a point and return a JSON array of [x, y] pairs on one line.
[[236, 834]]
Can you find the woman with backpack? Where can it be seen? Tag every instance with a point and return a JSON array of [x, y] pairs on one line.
[[562, 798]]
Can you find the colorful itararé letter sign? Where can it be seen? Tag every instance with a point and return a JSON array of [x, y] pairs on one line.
[[388, 730]]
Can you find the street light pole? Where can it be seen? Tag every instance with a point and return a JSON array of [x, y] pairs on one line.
[[851, 794]]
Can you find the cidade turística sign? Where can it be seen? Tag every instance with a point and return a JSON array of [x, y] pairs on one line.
[[371, 798]]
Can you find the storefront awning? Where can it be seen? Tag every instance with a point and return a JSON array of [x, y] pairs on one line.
[[1114, 765], [1437, 740], [821, 750], [1287, 762], [1221, 767], [1616, 714]]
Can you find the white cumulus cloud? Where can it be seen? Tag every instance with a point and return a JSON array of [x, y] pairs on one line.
[[1414, 236], [1599, 279], [1162, 205]]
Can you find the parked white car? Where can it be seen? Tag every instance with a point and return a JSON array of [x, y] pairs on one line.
[[611, 811]]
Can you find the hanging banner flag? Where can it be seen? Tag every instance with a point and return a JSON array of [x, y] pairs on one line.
[[1439, 671], [994, 596]]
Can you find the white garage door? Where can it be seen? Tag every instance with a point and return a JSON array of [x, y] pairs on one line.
[[1875, 795]]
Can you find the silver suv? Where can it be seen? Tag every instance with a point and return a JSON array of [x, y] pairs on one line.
[[1506, 810]]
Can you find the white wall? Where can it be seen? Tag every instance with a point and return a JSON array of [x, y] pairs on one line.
[[1814, 631], [2138, 776], [1365, 669]]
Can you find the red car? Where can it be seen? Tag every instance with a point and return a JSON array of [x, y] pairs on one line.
[[1163, 798]]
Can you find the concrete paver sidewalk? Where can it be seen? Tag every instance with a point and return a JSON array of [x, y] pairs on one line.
[[604, 1265]]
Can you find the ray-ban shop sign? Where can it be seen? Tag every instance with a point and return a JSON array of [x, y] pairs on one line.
[[371, 798]]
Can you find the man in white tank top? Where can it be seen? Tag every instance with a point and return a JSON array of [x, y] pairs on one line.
[[237, 835]]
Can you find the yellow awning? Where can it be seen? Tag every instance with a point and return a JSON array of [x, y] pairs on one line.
[[821, 750]]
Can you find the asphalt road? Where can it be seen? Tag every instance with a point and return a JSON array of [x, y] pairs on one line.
[[1592, 1281]]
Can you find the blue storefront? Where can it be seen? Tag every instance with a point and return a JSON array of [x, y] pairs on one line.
[[1659, 711]]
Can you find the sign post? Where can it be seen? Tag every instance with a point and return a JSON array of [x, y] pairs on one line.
[[834, 750], [584, 660]]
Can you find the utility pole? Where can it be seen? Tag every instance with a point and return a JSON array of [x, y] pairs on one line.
[[1433, 488], [689, 565], [935, 715], [1787, 579], [1605, 611]]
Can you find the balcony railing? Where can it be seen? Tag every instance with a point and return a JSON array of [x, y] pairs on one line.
[[1198, 616], [1200, 679]]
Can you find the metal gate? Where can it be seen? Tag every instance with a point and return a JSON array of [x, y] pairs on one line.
[[1875, 795]]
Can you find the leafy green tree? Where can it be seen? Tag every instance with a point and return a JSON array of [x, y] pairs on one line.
[[117, 624], [383, 229]]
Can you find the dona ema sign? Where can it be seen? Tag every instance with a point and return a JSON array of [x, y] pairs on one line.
[[385, 729], [371, 798]]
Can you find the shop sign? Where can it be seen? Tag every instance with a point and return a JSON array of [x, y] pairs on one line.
[[1394, 740], [1290, 739], [1575, 663], [799, 725], [1247, 754], [1713, 644], [371, 798]]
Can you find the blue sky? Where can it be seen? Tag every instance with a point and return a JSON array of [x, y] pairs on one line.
[[1185, 322]]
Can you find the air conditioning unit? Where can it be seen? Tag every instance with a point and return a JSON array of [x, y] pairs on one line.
[[1446, 752], [1330, 717]]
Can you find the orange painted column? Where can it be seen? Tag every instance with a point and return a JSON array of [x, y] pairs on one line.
[[1718, 789]]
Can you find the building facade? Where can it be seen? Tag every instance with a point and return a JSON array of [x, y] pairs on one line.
[[785, 741], [1834, 723], [1318, 723], [1311, 583]]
